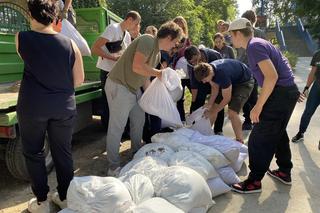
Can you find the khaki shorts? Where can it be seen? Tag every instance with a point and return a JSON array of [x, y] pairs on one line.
[[240, 95]]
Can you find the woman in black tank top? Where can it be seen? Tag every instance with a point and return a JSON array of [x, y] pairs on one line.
[[46, 101]]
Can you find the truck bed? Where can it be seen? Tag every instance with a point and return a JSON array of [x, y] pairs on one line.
[[9, 92], [8, 95]]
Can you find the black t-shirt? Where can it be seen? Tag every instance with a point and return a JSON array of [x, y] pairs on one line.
[[211, 55], [230, 72], [47, 84], [315, 62]]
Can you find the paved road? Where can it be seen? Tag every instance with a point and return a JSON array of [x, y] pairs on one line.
[[302, 196]]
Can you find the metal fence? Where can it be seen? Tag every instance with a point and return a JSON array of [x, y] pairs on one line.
[[13, 18], [88, 3]]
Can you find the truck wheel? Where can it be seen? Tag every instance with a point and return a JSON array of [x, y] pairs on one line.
[[16, 162]]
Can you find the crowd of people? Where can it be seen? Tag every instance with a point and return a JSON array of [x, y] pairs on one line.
[[239, 61]]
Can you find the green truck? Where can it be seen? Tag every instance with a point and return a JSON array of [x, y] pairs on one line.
[[92, 19]]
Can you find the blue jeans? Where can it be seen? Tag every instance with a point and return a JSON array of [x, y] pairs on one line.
[[313, 102]]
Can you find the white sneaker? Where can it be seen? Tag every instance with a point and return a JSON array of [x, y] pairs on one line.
[[114, 172], [35, 207], [56, 199]]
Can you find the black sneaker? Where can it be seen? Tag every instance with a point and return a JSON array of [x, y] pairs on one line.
[[247, 187], [298, 138], [246, 126], [281, 176]]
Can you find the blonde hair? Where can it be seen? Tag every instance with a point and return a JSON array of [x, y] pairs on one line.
[[152, 30], [183, 24]]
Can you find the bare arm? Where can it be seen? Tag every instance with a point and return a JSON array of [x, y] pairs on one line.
[[226, 97], [140, 66], [17, 43], [77, 70], [270, 78], [214, 93], [67, 5], [311, 76], [194, 93], [96, 49]]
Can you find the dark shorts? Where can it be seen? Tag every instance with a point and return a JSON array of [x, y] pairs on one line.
[[240, 95]]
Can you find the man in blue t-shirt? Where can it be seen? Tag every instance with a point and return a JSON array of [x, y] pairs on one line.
[[236, 83], [271, 114], [199, 91]]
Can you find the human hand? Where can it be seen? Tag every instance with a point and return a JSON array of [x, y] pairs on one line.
[[301, 98], [209, 114], [63, 14], [206, 106], [306, 91], [255, 113]]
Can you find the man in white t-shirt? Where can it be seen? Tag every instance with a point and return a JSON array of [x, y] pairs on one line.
[[109, 47]]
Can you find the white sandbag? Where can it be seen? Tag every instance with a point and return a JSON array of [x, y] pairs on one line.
[[71, 32], [236, 166], [148, 166], [157, 101], [229, 147], [185, 132], [198, 210], [183, 187], [193, 161], [140, 188], [174, 141], [67, 210], [228, 175], [156, 205], [215, 157], [97, 194], [158, 150], [217, 186], [160, 137]]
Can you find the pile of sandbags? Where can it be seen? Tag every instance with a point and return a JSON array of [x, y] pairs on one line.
[[224, 154], [179, 172]]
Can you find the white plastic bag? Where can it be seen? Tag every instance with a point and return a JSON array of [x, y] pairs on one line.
[[157, 101], [197, 122], [158, 150], [212, 155], [217, 186], [156, 205], [71, 32], [171, 79], [193, 161], [183, 187], [93, 194], [228, 175], [140, 188]]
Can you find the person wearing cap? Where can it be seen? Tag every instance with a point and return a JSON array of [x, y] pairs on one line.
[[242, 56], [271, 114], [234, 81]]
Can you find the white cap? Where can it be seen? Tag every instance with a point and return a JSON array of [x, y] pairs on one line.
[[239, 24]]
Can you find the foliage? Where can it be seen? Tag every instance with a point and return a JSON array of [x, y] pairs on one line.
[[200, 15], [287, 10], [292, 58]]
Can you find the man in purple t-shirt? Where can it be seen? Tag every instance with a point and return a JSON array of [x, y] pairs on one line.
[[272, 112]]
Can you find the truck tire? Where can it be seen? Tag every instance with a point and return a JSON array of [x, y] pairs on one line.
[[16, 162]]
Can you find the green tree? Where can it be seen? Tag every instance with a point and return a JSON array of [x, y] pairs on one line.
[[200, 15]]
